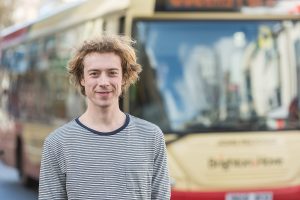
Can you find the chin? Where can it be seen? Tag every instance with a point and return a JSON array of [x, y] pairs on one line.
[[103, 105]]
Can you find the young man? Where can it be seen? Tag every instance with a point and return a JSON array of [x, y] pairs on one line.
[[105, 153]]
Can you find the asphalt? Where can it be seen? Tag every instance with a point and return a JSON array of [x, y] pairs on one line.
[[11, 187]]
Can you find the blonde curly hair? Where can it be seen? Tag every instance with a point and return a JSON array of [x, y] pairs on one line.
[[120, 45]]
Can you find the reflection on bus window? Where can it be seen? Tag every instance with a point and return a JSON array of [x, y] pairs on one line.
[[210, 75]]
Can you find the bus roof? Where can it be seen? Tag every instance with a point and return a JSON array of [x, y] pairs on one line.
[[62, 18], [11, 29]]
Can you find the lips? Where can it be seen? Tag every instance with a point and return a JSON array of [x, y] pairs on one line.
[[103, 93]]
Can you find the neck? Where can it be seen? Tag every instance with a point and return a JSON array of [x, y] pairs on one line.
[[103, 119]]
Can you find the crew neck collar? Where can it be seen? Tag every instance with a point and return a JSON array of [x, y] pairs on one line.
[[105, 133]]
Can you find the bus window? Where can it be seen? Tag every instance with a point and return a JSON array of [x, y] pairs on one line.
[[213, 75]]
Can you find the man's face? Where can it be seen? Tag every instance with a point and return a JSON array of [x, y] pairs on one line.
[[102, 79]]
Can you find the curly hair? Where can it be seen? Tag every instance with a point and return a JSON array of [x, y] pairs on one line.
[[120, 45]]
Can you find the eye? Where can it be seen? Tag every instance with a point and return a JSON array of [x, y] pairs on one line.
[[113, 73], [93, 74]]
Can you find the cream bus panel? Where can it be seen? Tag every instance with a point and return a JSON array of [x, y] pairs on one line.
[[235, 161]]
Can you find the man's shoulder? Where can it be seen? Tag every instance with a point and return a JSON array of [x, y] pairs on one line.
[[62, 132], [148, 132], [144, 124]]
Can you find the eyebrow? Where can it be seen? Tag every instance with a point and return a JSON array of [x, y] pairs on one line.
[[109, 69]]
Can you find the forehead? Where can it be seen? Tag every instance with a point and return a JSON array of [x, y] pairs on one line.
[[97, 60]]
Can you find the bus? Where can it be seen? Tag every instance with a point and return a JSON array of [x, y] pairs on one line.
[[220, 78]]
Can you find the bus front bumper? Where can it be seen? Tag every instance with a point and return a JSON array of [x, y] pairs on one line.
[[287, 193]]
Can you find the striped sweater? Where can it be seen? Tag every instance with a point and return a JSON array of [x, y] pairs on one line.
[[128, 163]]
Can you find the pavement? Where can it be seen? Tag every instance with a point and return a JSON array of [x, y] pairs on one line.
[[11, 187]]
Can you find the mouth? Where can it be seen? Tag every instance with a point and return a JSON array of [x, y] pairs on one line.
[[106, 92], [103, 93]]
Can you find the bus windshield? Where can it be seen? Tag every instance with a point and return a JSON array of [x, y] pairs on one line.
[[210, 75]]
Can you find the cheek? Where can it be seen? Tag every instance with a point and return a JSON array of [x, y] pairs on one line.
[[118, 84], [89, 84]]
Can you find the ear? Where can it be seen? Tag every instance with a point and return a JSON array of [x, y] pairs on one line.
[[82, 82]]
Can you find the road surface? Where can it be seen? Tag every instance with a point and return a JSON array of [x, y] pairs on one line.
[[11, 187]]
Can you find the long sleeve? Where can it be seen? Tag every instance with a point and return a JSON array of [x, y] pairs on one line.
[[52, 176], [160, 181]]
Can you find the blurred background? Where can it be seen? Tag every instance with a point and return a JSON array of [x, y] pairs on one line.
[[221, 78], [15, 13], [19, 11]]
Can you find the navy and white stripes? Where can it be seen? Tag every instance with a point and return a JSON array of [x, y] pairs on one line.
[[81, 163]]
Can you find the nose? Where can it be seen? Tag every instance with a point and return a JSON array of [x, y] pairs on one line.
[[103, 80]]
